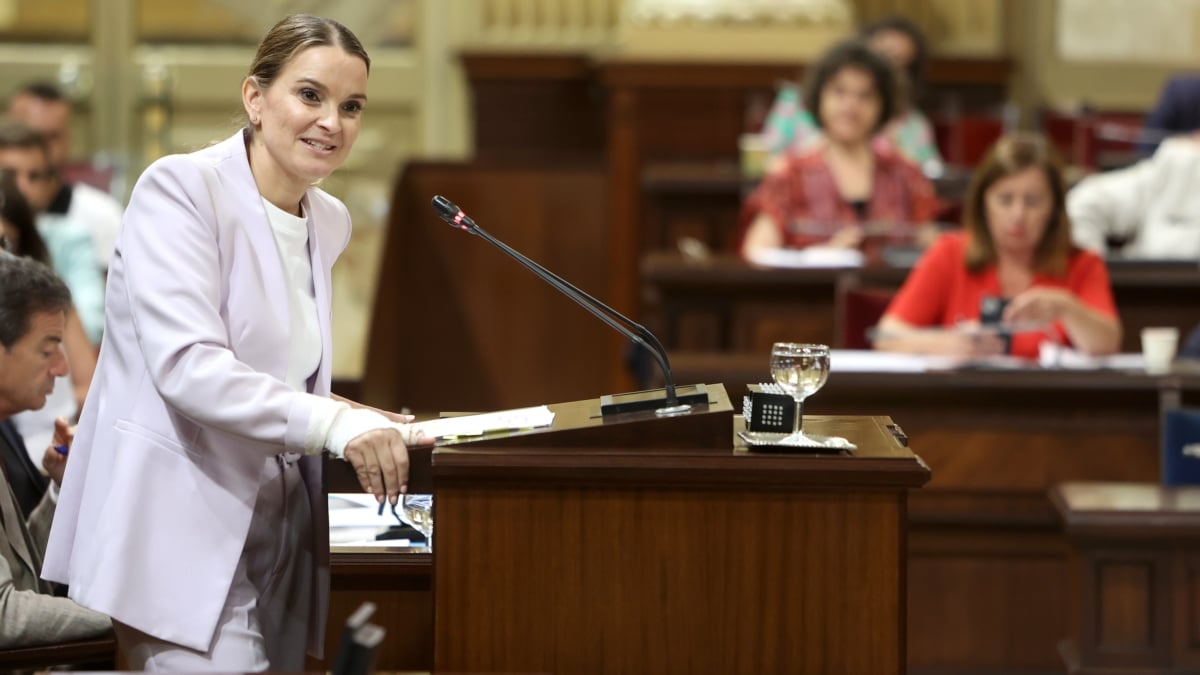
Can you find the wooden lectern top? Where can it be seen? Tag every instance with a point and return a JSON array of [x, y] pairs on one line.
[[699, 448]]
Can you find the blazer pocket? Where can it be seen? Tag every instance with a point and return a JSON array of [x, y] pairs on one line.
[[154, 438]]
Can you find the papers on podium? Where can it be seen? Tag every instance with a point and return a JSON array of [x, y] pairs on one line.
[[448, 428]]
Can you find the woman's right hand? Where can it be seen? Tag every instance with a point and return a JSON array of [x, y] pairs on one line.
[[968, 343], [380, 461]]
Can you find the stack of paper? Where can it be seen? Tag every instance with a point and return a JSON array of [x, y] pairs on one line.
[[477, 425]]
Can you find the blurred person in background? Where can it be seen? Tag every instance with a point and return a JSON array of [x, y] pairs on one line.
[[42, 106], [791, 127], [25, 155], [1148, 211], [825, 195], [1014, 257], [1176, 112], [37, 426]]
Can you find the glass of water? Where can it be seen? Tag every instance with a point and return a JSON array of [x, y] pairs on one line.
[[418, 512], [799, 369]]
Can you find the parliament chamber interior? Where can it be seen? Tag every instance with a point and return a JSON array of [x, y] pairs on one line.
[[998, 514]]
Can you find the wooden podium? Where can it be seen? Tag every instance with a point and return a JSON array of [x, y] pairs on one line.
[[640, 544]]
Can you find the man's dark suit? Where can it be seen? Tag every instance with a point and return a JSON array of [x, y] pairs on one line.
[[27, 482], [31, 614]]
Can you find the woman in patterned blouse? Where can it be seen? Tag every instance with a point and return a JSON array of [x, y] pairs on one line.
[[831, 192], [790, 127]]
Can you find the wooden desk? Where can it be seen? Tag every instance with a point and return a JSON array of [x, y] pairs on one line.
[[1135, 571], [646, 560], [594, 550], [96, 654], [987, 560], [724, 304], [702, 199]]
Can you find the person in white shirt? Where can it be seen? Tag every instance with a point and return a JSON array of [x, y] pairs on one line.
[[1148, 211], [25, 155], [42, 106]]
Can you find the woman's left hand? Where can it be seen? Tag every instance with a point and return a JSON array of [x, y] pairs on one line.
[[1039, 305]]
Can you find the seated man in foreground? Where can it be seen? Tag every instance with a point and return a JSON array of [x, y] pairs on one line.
[[33, 310]]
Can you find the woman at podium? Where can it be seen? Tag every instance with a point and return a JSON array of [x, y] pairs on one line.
[[193, 511]]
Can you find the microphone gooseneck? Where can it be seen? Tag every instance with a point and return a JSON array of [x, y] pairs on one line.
[[639, 334]]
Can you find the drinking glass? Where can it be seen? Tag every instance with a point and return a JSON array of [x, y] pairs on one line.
[[800, 370], [418, 512]]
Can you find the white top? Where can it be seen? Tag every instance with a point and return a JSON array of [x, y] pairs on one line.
[[1154, 205], [101, 214], [332, 424], [291, 238]]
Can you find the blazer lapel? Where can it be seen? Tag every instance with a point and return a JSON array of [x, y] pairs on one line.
[[257, 226]]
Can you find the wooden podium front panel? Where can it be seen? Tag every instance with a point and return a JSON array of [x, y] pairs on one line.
[[646, 560], [576, 580]]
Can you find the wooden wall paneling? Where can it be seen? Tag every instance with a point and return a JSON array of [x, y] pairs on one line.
[[1186, 637], [400, 585], [971, 591], [1128, 623], [460, 326], [542, 106]]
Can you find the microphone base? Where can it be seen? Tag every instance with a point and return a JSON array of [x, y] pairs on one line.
[[654, 399]]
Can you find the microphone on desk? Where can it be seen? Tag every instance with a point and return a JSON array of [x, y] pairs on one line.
[[671, 402]]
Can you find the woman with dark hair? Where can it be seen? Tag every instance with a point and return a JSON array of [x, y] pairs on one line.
[[1014, 259], [19, 225], [792, 128], [825, 195]]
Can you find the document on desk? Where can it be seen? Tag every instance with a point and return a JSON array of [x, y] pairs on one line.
[[869, 361], [1059, 356], [355, 518], [465, 426], [813, 256]]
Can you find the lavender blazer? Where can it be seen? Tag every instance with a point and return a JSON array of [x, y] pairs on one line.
[[189, 399]]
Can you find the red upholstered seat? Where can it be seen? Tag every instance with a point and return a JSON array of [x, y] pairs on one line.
[[859, 309]]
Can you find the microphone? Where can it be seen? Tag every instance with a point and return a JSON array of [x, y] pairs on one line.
[[673, 403]]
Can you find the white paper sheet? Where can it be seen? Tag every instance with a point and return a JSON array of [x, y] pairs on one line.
[[476, 425], [869, 361], [813, 256]]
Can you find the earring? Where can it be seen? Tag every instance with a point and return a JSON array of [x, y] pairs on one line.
[[253, 120]]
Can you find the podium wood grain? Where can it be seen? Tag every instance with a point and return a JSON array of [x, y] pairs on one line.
[[634, 559]]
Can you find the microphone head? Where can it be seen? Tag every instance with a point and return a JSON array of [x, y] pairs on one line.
[[449, 212]]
